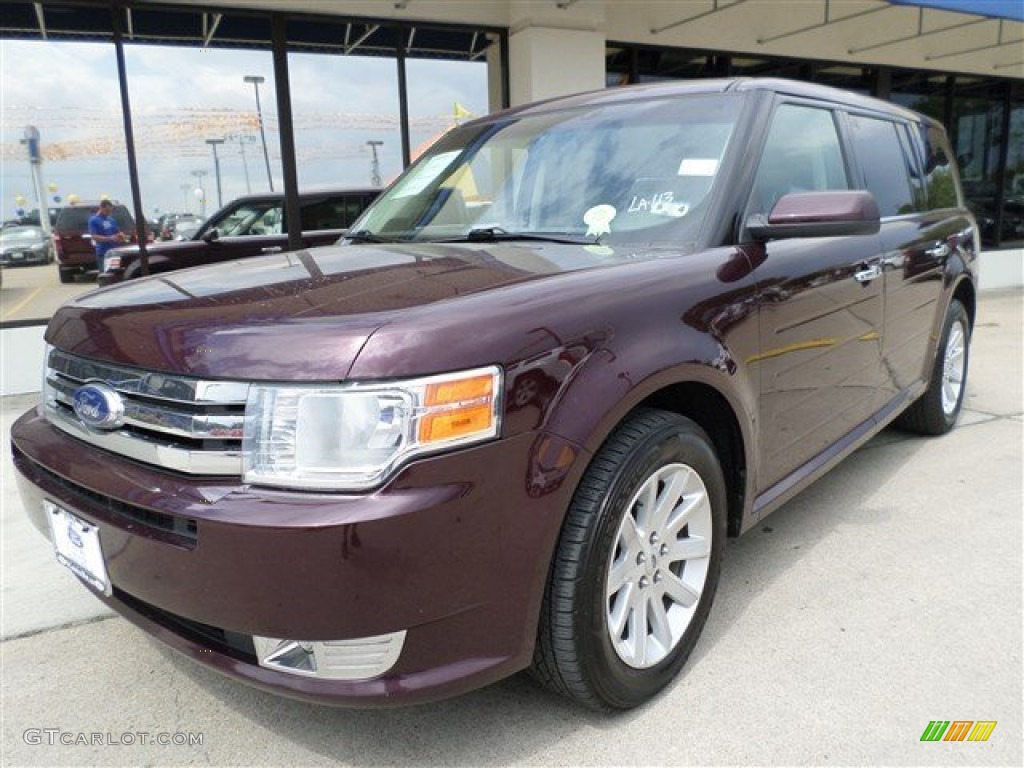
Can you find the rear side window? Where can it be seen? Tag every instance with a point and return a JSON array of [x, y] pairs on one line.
[[885, 166], [910, 151], [802, 154], [334, 212]]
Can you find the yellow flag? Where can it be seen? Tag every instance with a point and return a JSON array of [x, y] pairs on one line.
[[460, 111]]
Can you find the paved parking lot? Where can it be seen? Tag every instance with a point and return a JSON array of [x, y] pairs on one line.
[[886, 596], [34, 292]]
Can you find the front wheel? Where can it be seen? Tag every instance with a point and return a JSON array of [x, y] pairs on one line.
[[636, 566], [936, 411], [67, 275]]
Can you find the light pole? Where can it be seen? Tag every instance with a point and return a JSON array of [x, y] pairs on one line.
[[243, 139], [185, 189], [200, 192], [375, 163], [216, 168], [256, 80], [35, 159]]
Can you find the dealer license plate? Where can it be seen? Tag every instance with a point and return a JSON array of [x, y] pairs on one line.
[[77, 544]]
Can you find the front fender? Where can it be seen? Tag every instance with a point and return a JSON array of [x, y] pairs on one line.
[[610, 384], [156, 264]]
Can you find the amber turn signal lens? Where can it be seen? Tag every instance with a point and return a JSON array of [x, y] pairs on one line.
[[457, 409], [457, 423], [459, 392]]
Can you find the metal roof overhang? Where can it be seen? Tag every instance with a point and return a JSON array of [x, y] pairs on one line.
[[976, 37], [242, 27]]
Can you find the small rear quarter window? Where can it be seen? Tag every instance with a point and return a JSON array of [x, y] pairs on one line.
[[940, 181]]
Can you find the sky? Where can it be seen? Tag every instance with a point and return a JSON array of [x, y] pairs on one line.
[[182, 96]]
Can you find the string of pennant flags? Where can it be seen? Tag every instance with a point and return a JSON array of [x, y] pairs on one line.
[[179, 133]]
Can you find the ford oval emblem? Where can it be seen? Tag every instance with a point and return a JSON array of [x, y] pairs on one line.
[[98, 406]]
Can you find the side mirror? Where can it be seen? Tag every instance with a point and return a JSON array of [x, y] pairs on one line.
[[211, 236], [817, 214]]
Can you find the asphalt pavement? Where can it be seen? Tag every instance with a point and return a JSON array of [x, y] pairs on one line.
[[35, 292], [886, 596]]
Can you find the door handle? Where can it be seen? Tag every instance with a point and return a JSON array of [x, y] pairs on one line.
[[271, 249], [939, 251], [868, 274]]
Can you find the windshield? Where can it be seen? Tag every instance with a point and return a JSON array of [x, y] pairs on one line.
[[629, 172]]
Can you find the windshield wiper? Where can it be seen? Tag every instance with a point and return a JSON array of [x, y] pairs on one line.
[[365, 236], [499, 235]]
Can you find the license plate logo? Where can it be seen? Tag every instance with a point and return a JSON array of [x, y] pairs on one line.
[[77, 546]]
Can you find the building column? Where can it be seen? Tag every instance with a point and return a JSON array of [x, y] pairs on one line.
[[555, 50], [497, 59]]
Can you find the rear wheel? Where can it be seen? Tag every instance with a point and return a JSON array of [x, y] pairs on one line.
[[636, 566], [936, 411], [67, 275]]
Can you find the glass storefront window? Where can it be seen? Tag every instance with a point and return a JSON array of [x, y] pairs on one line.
[[1013, 187], [73, 103], [340, 104], [977, 139]]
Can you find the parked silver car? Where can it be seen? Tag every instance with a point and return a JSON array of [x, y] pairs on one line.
[[25, 245]]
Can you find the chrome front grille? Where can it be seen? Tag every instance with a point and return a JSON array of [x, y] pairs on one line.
[[176, 422]]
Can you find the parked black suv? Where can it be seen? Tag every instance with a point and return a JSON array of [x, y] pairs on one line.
[[249, 226]]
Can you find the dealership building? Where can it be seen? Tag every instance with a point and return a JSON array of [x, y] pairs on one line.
[[957, 61]]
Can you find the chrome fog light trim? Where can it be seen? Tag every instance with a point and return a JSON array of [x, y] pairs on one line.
[[358, 659]]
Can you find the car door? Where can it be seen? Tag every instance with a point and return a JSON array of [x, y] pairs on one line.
[[250, 229], [917, 243], [820, 303]]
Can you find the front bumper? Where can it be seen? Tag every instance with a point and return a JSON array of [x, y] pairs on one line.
[[110, 277], [454, 551], [17, 258]]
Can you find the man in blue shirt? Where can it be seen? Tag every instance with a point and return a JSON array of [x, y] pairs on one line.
[[104, 232]]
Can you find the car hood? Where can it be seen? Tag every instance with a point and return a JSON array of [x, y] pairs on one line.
[[306, 315]]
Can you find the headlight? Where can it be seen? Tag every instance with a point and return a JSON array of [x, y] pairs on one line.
[[353, 436], [49, 394], [111, 261]]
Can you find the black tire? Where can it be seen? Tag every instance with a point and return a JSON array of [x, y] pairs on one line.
[[932, 414], [67, 275], [575, 653]]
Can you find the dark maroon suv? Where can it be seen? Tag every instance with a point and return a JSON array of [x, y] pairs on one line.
[[510, 421], [72, 242]]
